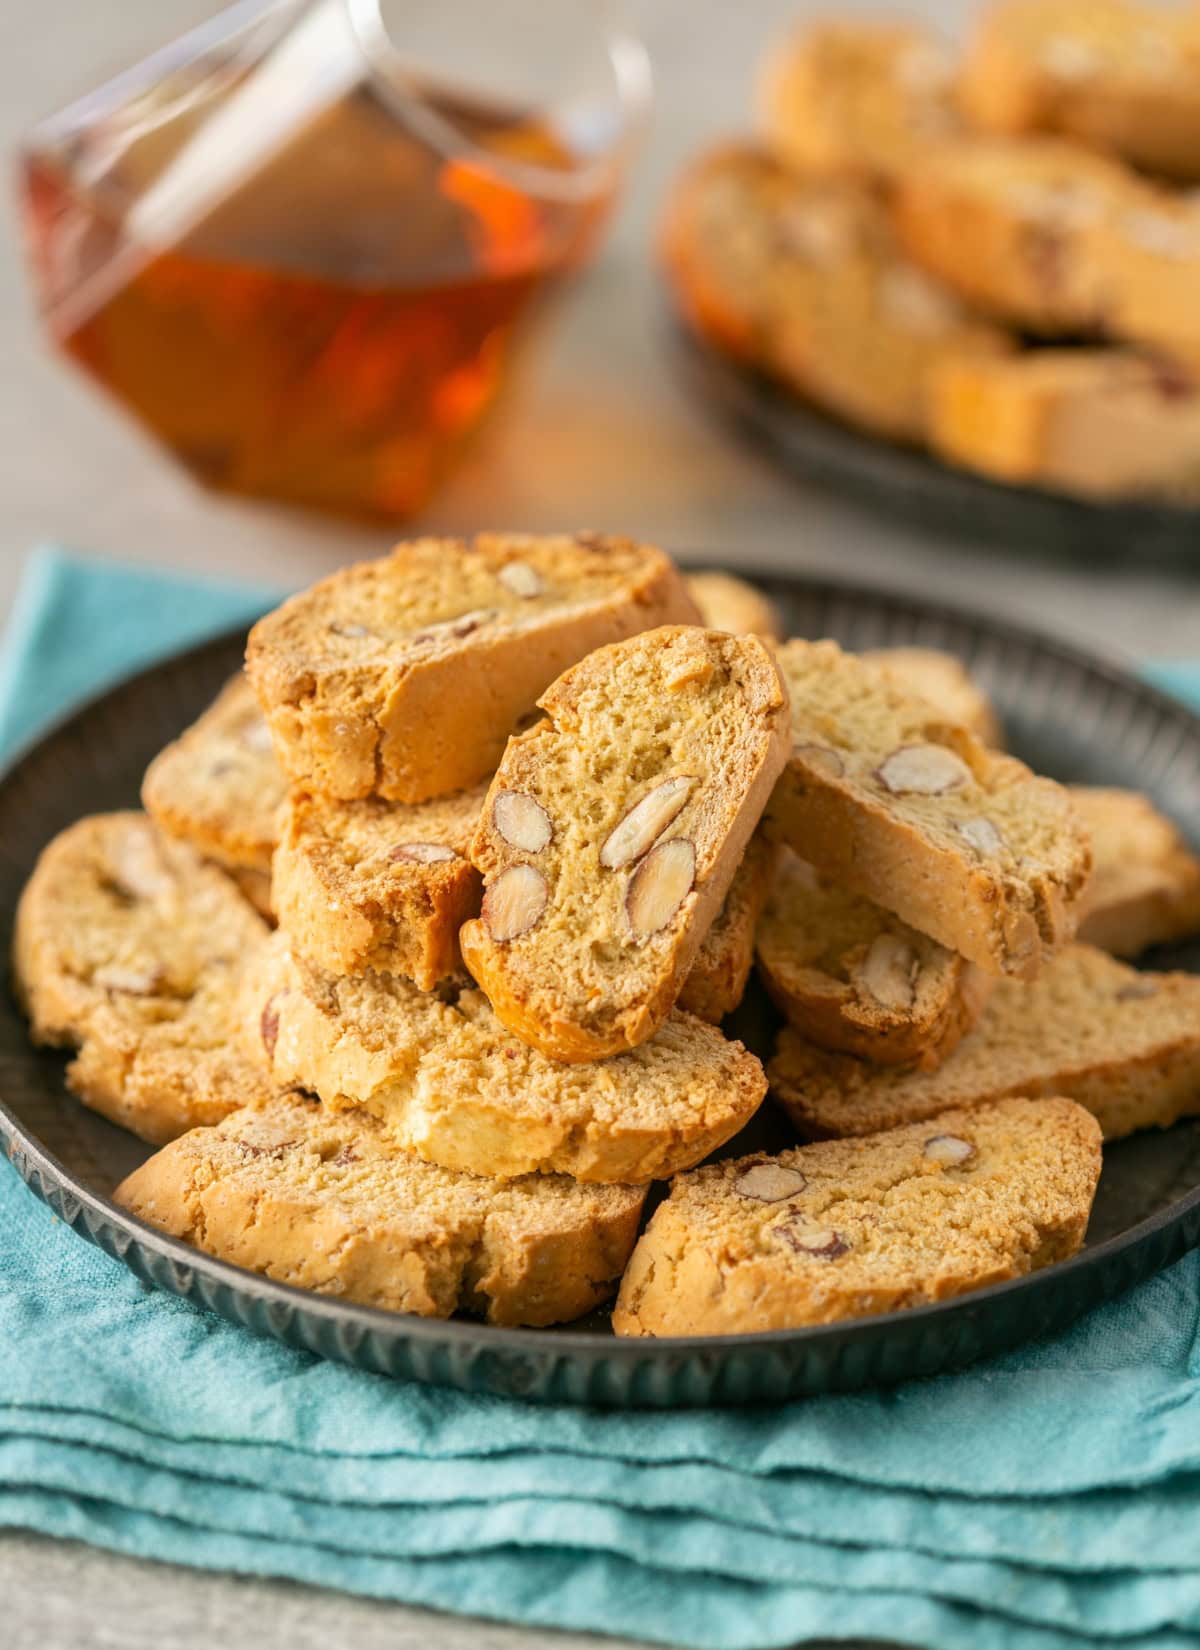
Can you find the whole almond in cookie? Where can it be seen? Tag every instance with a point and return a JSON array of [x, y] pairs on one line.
[[613, 832]]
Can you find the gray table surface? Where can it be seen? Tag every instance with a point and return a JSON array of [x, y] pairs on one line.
[[597, 434]]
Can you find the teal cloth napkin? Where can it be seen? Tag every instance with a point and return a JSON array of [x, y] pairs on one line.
[[1048, 1500]]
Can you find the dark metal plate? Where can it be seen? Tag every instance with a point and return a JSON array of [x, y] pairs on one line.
[[907, 484], [1067, 714]]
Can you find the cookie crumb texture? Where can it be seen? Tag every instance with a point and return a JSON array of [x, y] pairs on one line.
[[852, 1228], [944, 681], [403, 677], [452, 1085], [128, 948], [612, 832], [379, 885], [219, 785], [327, 1201], [889, 800], [852, 978], [1123, 1043]]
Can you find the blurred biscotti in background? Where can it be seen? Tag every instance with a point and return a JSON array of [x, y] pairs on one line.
[[992, 254]]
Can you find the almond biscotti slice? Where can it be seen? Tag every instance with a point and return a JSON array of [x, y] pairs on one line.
[[380, 885], [128, 948], [1145, 888], [1119, 75], [1012, 225], [327, 1201], [890, 801], [612, 831], [219, 786], [944, 681], [1122, 1043], [852, 1228], [716, 981], [1101, 423], [725, 602], [853, 978], [452, 1085], [857, 98], [404, 677], [803, 278]]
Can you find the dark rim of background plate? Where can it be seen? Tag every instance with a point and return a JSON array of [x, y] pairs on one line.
[[570, 1365], [909, 484]]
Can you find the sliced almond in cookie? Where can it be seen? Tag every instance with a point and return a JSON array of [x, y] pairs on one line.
[[852, 977], [653, 762], [899, 825], [1123, 1044], [127, 949], [521, 821], [873, 1226], [464, 637]]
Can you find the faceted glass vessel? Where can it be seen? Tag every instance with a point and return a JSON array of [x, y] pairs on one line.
[[300, 243]]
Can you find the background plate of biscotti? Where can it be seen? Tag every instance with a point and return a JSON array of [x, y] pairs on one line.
[[912, 485], [1076, 718]]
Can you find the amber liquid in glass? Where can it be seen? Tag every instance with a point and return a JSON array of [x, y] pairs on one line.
[[330, 331]]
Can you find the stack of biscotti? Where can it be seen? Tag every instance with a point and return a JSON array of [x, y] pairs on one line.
[[921, 245], [522, 811], [526, 756]]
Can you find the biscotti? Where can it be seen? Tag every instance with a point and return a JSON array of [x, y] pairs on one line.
[[851, 1228], [803, 279], [717, 979], [857, 98], [379, 885], [327, 1201], [1011, 225], [127, 948], [612, 831], [218, 786], [890, 801], [403, 678], [945, 682], [1145, 887], [853, 978], [1100, 423], [452, 1085], [728, 603], [1122, 1043], [1118, 75]]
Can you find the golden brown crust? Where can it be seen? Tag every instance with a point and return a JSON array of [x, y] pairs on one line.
[[452, 1085], [852, 1228], [1145, 889], [803, 278], [888, 800], [854, 979], [726, 602], [378, 885], [219, 786], [658, 749], [1117, 75], [326, 1201], [128, 948], [1122, 1043], [717, 979], [403, 677], [857, 98]]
